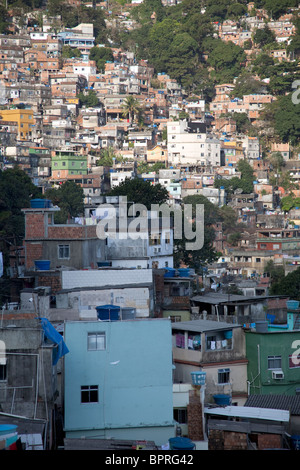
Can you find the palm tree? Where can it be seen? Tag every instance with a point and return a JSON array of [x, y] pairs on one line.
[[131, 108]]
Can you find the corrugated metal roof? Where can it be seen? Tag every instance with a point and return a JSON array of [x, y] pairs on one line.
[[203, 325], [278, 402], [249, 412]]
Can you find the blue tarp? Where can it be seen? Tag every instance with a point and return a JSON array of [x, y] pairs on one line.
[[56, 337]]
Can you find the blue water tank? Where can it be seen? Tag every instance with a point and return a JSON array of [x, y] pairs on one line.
[[181, 443], [292, 304], [40, 203], [170, 272], [222, 399], [108, 312], [42, 264], [184, 272], [198, 377]]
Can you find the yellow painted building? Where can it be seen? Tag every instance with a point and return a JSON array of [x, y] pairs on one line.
[[157, 154], [24, 119]]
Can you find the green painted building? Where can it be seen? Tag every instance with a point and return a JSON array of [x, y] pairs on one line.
[[273, 352], [67, 162]]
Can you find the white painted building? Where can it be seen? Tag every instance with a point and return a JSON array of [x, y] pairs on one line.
[[126, 288], [190, 144]]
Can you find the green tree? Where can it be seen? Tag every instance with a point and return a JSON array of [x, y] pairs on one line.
[[183, 57], [246, 84], [89, 99], [200, 258], [264, 36], [276, 8], [108, 156], [228, 217], [288, 286], [277, 163], [198, 26], [283, 115], [131, 108], [236, 10], [263, 65], [161, 37], [101, 55], [245, 182], [4, 16], [142, 13], [139, 191], [287, 203], [69, 52], [16, 189], [227, 59], [69, 198], [247, 175], [234, 238]]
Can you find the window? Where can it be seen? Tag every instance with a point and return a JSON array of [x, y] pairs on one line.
[[3, 371], [223, 376], [89, 394], [96, 341], [274, 362], [63, 251], [180, 415]]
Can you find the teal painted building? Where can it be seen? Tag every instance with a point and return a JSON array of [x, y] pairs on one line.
[[273, 352], [118, 380]]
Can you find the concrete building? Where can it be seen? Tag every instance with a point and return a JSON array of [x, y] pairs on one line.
[[273, 356], [190, 144], [217, 348], [118, 383], [66, 162], [129, 289], [71, 245], [24, 118], [31, 352]]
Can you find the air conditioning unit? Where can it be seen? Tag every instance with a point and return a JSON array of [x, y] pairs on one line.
[[277, 374]]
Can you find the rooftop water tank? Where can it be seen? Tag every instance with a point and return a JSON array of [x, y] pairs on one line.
[[42, 264], [198, 377], [170, 272], [181, 443], [292, 304], [184, 272], [222, 399], [40, 203], [108, 312]]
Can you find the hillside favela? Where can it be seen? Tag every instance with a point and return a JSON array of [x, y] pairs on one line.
[[149, 227]]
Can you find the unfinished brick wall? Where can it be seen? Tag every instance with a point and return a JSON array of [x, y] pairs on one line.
[[269, 441], [194, 412], [35, 227], [53, 281], [33, 251], [71, 231], [216, 440], [227, 440], [235, 441]]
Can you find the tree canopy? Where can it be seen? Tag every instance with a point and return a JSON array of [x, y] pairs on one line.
[[89, 99], [16, 191], [245, 182], [101, 55], [139, 191], [288, 285], [69, 198], [198, 258]]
